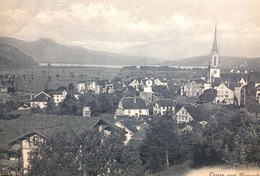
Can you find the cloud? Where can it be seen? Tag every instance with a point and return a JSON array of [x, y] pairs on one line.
[[158, 28], [180, 22], [12, 20]]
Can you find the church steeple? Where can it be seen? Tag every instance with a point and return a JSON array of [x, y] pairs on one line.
[[214, 67], [215, 45]]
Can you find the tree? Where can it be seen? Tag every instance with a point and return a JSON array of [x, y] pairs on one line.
[[92, 153], [208, 95], [70, 106], [162, 146], [230, 137], [56, 156], [71, 87]]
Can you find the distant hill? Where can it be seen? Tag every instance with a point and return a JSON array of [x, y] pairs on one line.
[[47, 50], [12, 58], [225, 61]]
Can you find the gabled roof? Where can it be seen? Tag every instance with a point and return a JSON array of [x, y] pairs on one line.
[[41, 97], [233, 85], [166, 103], [233, 77], [47, 124], [133, 103], [132, 124], [186, 100], [197, 113]]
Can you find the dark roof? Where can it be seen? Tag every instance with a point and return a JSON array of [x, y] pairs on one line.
[[41, 97], [216, 82], [133, 103], [132, 124], [46, 124], [200, 81], [197, 113], [20, 112], [254, 77], [166, 103], [187, 100], [233, 85], [233, 77]]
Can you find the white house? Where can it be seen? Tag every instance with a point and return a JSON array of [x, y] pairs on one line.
[[189, 113], [164, 106], [59, 97], [132, 106], [225, 95], [81, 86], [40, 100], [194, 88]]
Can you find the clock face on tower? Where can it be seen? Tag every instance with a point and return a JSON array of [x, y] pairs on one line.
[[214, 72]]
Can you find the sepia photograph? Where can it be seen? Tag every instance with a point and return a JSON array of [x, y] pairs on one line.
[[129, 88]]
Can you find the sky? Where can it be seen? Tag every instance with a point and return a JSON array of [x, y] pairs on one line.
[[164, 29]]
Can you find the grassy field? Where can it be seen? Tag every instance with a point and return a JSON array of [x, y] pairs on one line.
[[41, 78]]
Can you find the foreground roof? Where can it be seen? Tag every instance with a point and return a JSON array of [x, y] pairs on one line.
[[46, 124]]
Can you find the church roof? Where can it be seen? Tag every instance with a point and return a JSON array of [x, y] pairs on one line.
[[215, 45]]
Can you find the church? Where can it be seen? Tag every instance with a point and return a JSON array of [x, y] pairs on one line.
[[214, 67], [228, 85]]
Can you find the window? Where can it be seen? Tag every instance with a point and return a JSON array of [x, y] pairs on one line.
[[36, 140], [129, 111], [140, 111]]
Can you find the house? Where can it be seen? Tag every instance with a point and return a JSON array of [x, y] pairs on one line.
[[40, 100], [225, 94], [131, 126], [146, 84], [194, 88], [81, 86], [187, 113], [132, 106], [59, 97], [21, 136], [164, 106]]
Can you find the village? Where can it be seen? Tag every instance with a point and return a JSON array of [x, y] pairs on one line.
[[50, 99]]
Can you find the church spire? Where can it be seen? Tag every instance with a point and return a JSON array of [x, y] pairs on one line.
[[215, 45]]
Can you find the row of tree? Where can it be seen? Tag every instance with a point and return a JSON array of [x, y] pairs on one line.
[[230, 137]]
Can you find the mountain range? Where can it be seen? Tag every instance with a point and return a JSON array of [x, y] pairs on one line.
[[12, 58], [46, 50], [225, 61]]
